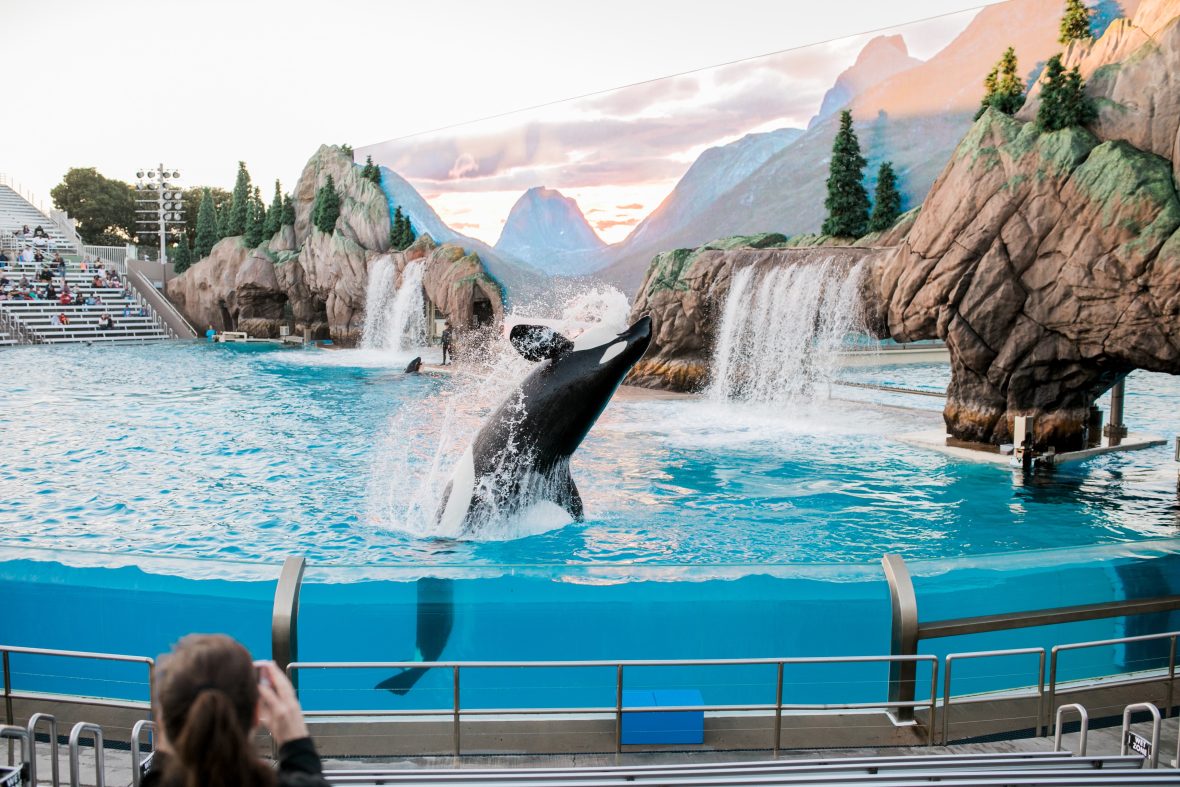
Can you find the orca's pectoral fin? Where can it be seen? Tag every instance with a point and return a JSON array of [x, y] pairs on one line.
[[402, 682], [538, 342]]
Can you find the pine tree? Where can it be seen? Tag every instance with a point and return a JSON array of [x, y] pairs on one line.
[[1003, 88], [346, 149], [288, 211], [408, 234], [1063, 98], [397, 230], [1075, 23], [847, 202], [327, 207], [371, 171], [223, 212], [240, 207], [255, 220], [206, 226], [274, 216], [182, 257], [886, 201], [990, 83]]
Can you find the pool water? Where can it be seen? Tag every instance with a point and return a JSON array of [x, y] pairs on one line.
[[150, 491]]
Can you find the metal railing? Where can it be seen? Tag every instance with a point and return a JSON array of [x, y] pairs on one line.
[[907, 631], [946, 685], [95, 732], [10, 694], [50, 721], [1155, 730], [113, 255], [1083, 726], [457, 711], [171, 319]]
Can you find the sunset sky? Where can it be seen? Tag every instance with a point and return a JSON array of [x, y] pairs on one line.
[[619, 154], [268, 81]]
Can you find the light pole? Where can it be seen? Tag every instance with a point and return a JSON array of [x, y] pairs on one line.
[[159, 198]]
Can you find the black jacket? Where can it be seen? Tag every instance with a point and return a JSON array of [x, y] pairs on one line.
[[299, 766]]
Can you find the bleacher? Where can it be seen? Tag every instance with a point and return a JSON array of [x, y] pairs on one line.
[[17, 212], [35, 318]]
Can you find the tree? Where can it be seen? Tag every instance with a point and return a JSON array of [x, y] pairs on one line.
[[397, 229], [847, 202], [408, 235], [104, 209], [182, 256], [371, 171], [255, 220], [1003, 88], [1075, 23], [274, 216], [193, 197], [223, 220], [886, 201], [327, 206], [206, 226], [1063, 98], [288, 211], [346, 149], [240, 207]]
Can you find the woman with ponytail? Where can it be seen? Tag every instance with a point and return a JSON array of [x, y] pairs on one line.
[[209, 700]]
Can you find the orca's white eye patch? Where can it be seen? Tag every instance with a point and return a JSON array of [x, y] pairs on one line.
[[612, 351]]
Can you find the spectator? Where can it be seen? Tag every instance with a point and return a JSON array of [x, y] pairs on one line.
[[209, 698], [3, 259], [39, 232], [96, 282], [105, 323], [66, 299], [50, 292], [65, 318]]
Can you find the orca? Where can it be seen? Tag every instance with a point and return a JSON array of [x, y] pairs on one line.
[[436, 615], [414, 366], [521, 455]]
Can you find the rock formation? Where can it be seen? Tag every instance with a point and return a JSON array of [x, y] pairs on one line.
[[310, 280], [684, 292]]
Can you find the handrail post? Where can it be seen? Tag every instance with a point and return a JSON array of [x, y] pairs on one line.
[[1083, 727], [455, 721], [778, 710], [904, 639], [618, 710], [1052, 701], [12, 733], [76, 733], [54, 753], [7, 690], [284, 627], [136, 752], [1171, 672], [1155, 730]]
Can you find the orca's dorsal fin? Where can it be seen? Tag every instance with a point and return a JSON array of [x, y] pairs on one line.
[[536, 342]]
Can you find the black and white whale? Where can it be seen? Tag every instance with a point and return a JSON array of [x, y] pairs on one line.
[[521, 455]]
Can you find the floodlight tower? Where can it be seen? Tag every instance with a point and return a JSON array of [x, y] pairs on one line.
[[160, 199]]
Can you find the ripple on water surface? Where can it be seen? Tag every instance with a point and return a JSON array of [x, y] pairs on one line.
[[254, 453]]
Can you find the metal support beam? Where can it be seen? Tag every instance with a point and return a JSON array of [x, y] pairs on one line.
[[1116, 430], [284, 627], [904, 639]]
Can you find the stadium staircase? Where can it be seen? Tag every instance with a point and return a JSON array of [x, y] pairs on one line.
[[17, 212]]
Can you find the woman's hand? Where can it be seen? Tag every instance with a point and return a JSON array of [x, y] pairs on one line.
[[278, 707]]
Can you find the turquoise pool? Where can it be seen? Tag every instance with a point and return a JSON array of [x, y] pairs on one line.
[[149, 491]]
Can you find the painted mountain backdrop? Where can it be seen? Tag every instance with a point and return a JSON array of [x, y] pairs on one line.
[[767, 174]]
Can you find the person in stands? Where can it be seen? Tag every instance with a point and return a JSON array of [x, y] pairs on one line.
[[105, 322], [50, 292], [209, 699], [66, 298], [65, 318]]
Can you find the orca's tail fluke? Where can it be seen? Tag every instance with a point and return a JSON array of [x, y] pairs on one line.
[[402, 682]]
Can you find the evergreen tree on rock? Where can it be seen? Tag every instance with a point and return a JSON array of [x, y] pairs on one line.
[[847, 202], [371, 171], [207, 234], [1003, 88], [182, 257], [1075, 23], [1063, 98], [288, 211], [223, 221], [886, 201], [274, 216], [408, 234], [240, 207], [255, 220], [990, 83], [397, 229], [327, 207]]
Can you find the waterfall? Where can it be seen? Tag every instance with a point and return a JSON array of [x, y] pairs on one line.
[[394, 319], [782, 328]]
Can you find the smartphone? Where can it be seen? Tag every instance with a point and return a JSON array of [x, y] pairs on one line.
[[260, 671]]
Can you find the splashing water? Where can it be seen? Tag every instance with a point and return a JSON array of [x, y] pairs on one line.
[[425, 438], [782, 329], [395, 319]]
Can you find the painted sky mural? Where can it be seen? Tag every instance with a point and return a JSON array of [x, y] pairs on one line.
[[600, 184]]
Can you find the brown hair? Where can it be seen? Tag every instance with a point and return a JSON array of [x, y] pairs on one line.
[[206, 695]]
